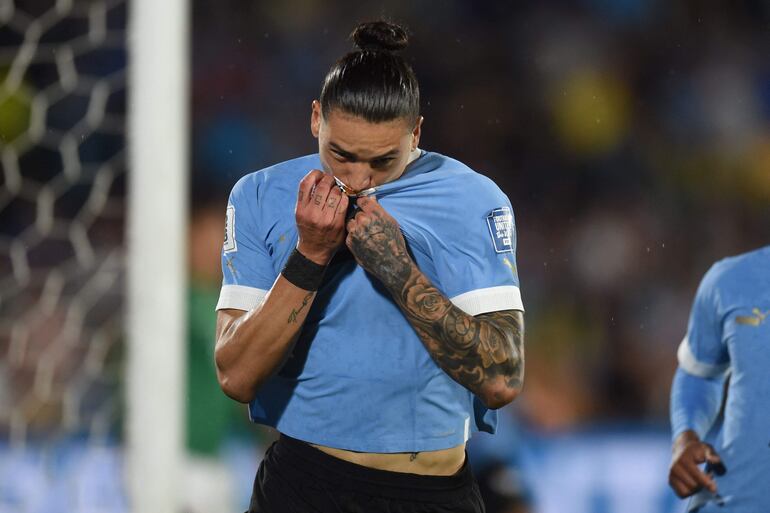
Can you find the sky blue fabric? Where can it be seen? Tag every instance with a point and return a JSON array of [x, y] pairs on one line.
[[359, 378], [730, 328]]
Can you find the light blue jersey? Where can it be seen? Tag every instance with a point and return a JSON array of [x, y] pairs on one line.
[[359, 378], [729, 335]]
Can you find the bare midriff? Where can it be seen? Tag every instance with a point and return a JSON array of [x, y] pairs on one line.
[[445, 462]]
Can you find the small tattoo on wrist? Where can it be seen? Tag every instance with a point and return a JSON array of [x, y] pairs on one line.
[[295, 312]]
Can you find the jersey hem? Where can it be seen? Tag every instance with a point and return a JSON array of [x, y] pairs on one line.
[[490, 299], [378, 445], [240, 297], [690, 364]]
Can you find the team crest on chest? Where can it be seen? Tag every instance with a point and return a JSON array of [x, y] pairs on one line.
[[500, 223]]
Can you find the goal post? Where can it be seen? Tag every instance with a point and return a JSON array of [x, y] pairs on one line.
[[157, 214]]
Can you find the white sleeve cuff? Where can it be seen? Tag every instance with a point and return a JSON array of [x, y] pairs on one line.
[[691, 365], [492, 299], [240, 297]]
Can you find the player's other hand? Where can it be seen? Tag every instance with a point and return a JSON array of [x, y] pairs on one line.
[[320, 216], [685, 475], [376, 242]]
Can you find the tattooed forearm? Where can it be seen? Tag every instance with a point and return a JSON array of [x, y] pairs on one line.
[[484, 353], [381, 250], [295, 312]]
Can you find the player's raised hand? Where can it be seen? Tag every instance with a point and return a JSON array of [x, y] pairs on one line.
[[685, 475], [375, 239], [320, 216]]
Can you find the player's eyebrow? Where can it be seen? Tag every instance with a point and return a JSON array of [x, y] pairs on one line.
[[352, 156]]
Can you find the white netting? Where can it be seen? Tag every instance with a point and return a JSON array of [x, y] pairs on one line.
[[62, 123]]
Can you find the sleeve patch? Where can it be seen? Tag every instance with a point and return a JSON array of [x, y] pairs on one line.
[[500, 223], [230, 244]]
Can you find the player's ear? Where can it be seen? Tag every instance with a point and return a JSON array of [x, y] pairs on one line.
[[416, 133], [315, 118]]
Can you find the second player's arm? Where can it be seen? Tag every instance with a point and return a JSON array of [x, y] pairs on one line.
[[695, 405], [252, 346], [484, 353]]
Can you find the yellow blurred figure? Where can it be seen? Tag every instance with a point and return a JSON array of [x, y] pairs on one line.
[[590, 112]]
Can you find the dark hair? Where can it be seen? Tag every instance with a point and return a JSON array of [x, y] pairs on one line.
[[374, 81]]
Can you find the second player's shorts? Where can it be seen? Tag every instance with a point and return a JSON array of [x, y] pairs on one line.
[[295, 477]]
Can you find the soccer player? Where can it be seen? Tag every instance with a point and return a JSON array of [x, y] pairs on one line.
[[377, 328], [724, 364]]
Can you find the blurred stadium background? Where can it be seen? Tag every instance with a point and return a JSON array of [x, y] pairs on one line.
[[632, 136]]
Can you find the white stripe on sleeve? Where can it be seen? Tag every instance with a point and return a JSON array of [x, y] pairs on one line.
[[240, 297], [491, 299], [690, 364]]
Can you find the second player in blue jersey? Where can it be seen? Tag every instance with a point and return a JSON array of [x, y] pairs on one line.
[[724, 366]]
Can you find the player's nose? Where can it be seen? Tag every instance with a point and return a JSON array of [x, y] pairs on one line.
[[360, 176]]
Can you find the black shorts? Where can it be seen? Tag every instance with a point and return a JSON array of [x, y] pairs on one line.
[[295, 477]]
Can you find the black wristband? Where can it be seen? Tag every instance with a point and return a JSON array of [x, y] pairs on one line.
[[303, 272]]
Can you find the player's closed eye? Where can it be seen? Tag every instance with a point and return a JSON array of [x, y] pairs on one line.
[[342, 157], [378, 163]]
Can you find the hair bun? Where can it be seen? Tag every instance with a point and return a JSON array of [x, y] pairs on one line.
[[380, 35]]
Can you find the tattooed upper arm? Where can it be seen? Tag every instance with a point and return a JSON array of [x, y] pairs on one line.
[[510, 320], [484, 353], [511, 324]]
